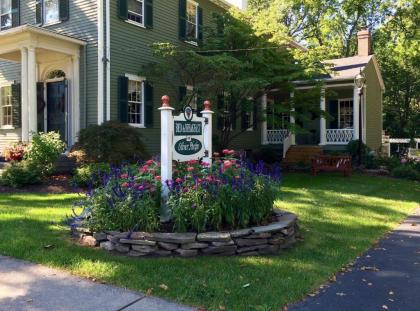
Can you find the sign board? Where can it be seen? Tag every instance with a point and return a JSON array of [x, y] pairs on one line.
[[188, 136]]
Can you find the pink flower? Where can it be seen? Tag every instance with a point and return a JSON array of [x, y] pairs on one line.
[[230, 152], [158, 178], [226, 151], [205, 164], [190, 169], [125, 185], [141, 188], [178, 180], [150, 162], [192, 162], [124, 176], [216, 154], [227, 164]]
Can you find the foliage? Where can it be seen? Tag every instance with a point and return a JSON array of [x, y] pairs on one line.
[[20, 174], [230, 195], [353, 150], [89, 175], [406, 172], [232, 68], [112, 142], [338, 224], [16, 152], [124, 201], [44, 150]]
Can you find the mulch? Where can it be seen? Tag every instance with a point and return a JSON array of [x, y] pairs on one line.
[[55, 184]]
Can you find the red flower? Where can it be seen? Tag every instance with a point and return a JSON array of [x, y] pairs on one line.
[[192, 162]]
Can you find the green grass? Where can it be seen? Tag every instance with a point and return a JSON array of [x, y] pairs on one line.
[[339, 217]]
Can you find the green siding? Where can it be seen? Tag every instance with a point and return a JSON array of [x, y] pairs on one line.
[[374, 118], [130, 50]]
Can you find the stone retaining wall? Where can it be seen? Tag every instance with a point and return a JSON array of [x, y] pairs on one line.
[[262, 240]]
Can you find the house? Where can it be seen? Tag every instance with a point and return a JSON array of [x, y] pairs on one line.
[[340, 102], [65, 65]]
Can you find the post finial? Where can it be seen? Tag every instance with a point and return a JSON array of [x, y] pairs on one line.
[[207, 105], [165, 101]]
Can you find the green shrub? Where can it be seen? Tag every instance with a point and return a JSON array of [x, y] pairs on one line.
[[406, 172], [44, 150], [353, 150], [89, 174], [20, 174], [111, 142]]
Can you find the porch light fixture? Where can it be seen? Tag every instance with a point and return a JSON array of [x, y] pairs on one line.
[[360, 81]]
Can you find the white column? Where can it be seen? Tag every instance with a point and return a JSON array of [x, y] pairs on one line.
[[75, 113], [166, 124], [292, 119], [264, 140], [32, 96], [356, 107], [323, 122], [24, 94], [208, 132]]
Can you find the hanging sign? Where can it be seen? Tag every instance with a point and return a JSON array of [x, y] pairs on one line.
[[188, 136]]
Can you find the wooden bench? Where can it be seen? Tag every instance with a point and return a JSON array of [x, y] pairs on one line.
[[331, 164]]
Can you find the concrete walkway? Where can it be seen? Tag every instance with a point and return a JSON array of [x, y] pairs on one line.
[[387, 277], [29, 287]]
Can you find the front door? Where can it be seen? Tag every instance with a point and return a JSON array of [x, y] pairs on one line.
[[53, 108]]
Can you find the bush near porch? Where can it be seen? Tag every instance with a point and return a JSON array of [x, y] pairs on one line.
[[339, 219]]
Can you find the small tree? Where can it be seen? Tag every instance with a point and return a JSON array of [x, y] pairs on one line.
[[234, 68]]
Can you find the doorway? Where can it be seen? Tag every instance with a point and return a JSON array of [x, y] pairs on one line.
[[53, 107]]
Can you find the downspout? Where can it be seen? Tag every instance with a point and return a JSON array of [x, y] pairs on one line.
[[100, 4], [108, 62], [85, 86]]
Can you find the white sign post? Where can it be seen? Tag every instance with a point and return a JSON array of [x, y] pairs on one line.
[[183, 138]]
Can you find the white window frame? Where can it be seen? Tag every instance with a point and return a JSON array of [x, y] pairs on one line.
[[44, 14], [7, 126], [196, 23], [130, 21], [8, 13], [193, 104], [140, 80], [250, 115], [285, 117], [339, 112]]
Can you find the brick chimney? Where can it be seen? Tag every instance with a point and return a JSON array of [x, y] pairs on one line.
[[364, 42]]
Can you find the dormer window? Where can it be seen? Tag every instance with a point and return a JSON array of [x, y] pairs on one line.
[[51, 11]]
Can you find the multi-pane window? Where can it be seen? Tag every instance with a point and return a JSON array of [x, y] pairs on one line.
[[135, 102], [6, 106], [345, 114], [136, 11], [276, 119], [192, 20], [5, 14], [51, 11]]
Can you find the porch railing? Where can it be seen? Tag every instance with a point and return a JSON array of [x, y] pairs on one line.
[[339, 136], [276, 137]]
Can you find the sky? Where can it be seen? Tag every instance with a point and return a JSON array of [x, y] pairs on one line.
[[238, 3]]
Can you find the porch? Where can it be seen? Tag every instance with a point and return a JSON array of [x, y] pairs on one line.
[[46, 97], [336, 125]]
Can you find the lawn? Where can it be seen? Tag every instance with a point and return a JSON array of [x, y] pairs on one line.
[[339, 217]]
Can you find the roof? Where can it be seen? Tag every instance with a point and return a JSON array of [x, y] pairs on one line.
[[222, 3], [347, 67]]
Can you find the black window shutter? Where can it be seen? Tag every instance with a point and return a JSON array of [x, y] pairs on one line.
[[15, 13], [123, 99], [38, 12], [149, 14], [200, 24], [182, 19], [16, 106], [333, 111], [182, 92], [149, 109], [64, 10], [123, 9], [255, 116], [220, 111]]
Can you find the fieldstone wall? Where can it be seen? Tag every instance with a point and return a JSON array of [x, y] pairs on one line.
[[261, 240]]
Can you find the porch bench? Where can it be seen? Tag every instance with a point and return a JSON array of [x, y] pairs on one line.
[[331, 164]]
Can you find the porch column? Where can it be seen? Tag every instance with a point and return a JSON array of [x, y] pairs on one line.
[[323, 122], [24, 93], [292, 119], [264, 140], [356, 107], [75, 112], [32, 96]]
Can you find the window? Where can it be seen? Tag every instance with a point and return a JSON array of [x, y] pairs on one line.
[[51, 11], [192, 21], [345, 113], [6, 106], [5, 14], [276, 119], [136, 101], [249, 121], [191, 97], [136, 11]]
